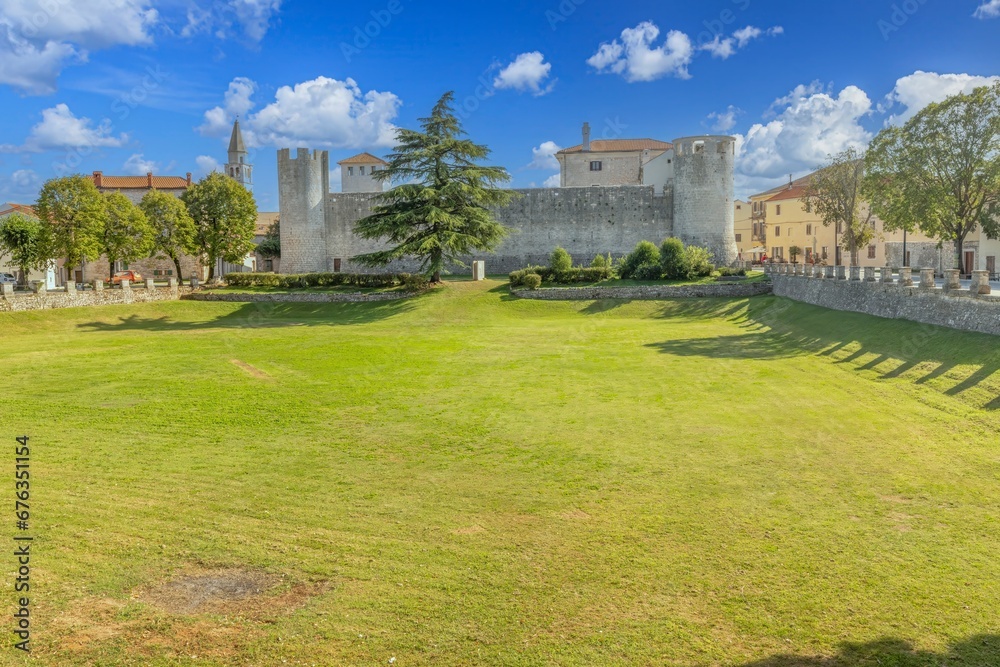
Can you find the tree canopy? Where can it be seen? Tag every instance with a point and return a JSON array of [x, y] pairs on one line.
[[128, 235], [270, 247], [225, 217], [940, 172], [21, 238], [173, 228], [73, 215], [835, 195], [443, 209]]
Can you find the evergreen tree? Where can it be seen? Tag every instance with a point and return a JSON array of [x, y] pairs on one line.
[[444, 208]]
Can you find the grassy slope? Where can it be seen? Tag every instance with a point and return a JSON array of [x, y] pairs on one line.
[[483, 480]]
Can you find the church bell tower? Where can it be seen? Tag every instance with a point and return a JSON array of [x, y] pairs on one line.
[[238, 168]]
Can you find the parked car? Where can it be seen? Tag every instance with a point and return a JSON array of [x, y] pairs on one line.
[[7, 279], [131, 276]]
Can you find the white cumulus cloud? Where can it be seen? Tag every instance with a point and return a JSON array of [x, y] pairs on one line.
[[916, 91], [321, 113], [810, 127], [207, 164], [61, 129], [552, 181], [725, 120], [528, 72], [38, 38], [138, 165], [544, 157], [724, 47], [635, 57], [988, 10], [251, 18]]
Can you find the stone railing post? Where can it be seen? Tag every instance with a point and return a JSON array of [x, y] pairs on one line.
[[172, 283], [150, 285], [7, 291], [869, 274], [927, 279], [38, 287], [906, 276], [194, 283], [841, 273], [831, 273], [70, 287], [887, 275], [98, 285], [952, 280], [981, 283], [808, 270], [126, 285], [855, 273]]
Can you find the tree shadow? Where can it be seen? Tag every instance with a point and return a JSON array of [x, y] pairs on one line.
[[775, 328], [265, 315], [977, 651]]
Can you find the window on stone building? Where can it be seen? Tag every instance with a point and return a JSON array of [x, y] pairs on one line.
[[350, 171], [596, 166], [361, 170], [871, 252]]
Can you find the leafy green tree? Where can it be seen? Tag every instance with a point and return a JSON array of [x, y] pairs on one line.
[[794, 253], [270, 247], [73, 216], [21, 238], [601, 262], [444, 208], [698, 261], [560, 261], [225, 218], [639, 264], [128, 236], [173, 228], [673, 259], [940, 172], [835, 195]]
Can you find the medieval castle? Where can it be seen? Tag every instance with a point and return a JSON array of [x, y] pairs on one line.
[[612, 194]]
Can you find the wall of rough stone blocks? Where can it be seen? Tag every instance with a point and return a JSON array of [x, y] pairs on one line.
[[77, 299], [956, 310], [584, 221], [704, 205], [303, 186], [616, 169]]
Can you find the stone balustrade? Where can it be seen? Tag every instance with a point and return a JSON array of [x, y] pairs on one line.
[[927, 279]]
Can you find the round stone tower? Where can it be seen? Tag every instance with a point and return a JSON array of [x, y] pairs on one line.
[[704, 213], [303, 186]]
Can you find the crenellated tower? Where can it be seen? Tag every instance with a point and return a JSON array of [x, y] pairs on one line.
[[303, 186]]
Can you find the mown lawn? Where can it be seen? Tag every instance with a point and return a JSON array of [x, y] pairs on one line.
[[470, 479]]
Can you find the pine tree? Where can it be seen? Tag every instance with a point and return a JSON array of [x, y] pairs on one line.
[[443, 209]]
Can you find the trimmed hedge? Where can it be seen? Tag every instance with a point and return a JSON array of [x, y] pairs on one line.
[[589, 275], [304, 280]]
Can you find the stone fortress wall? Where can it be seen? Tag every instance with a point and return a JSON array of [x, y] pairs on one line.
[[317, 225]]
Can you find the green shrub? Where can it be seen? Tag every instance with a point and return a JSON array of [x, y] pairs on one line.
[[645, 253], [699, 262], [307, 280], [648, 272], [600, 262], [560, 261], [517, 277], [415, 282], [532, 281], [673, 259], [728, 271]]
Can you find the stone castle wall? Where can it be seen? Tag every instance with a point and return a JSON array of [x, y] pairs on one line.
[[704, 207], [584, 221], [78, 299]]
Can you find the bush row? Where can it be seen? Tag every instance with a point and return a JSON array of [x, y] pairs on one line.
[[303, 280], [562, 277]]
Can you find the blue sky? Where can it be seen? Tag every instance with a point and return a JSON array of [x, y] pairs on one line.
[[124, 86]]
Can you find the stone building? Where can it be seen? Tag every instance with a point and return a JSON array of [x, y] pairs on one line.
[[357, 174], [49, 276], [611, 162], [638, 203]]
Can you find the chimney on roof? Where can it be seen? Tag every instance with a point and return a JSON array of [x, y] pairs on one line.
[[586, 137], [149, 179], [189, 178], [98, 176]]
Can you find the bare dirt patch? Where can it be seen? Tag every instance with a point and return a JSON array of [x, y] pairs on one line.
[[209, 590], [252, 370]]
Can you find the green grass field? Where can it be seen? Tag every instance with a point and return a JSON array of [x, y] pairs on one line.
[[466, 478]]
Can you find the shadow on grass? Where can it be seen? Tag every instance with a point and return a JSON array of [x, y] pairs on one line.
[[775, 328], [978, 651], [266, 315]]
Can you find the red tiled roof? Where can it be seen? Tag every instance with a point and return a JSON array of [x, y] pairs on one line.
[[794, 192], [140, 182], [621, 146], [364, 158], [23, 209]]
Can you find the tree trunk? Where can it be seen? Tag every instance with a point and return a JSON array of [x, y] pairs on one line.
[[211, 270], [959, 248], [177, 265], [111, 269]]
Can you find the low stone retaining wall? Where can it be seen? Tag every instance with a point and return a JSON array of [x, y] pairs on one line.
[[895, 295], [648, 292], [18, 302], [319, 297]]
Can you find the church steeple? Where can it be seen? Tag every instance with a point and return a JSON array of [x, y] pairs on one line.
[[238, 167]]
